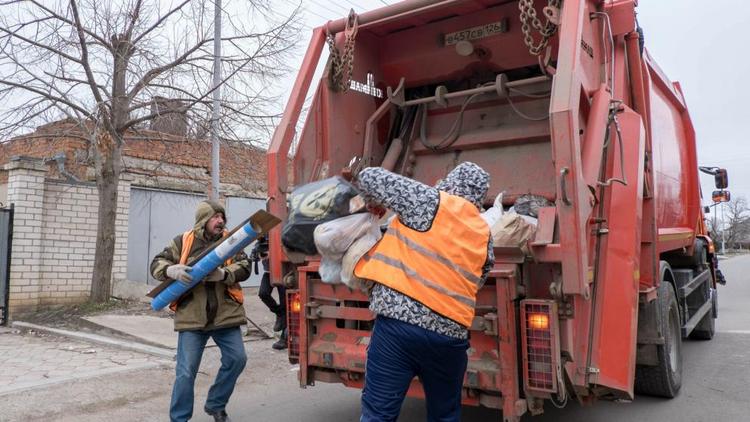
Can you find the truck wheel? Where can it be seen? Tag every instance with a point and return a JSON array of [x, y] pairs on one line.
[[707, 327], [664, 379]]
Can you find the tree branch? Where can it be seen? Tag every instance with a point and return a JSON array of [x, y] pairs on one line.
[[48, 95], [87, 68], [40, 45], [155, 72], [134, 19], [71, 23], [160, 21]]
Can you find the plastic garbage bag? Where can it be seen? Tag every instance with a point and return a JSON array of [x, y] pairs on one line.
[[495, 212], [530, 204], [333, 238], [342, 242], [330, 270], [309, 206], [356, 251]]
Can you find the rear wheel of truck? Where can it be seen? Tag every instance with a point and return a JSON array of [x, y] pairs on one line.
[[664, 379], [707, 327]]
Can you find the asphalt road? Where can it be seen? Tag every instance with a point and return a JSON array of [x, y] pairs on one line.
[[716, 382], [716, 386]]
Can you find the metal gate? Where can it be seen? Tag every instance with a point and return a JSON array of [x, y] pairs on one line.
[[156, 216], [6, 238]]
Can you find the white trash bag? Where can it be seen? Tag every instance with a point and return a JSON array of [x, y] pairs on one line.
[[335, 238], [493, 214], [358, 249]]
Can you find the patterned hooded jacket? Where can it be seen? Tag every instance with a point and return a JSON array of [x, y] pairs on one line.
[[207, 305], [416, 205]]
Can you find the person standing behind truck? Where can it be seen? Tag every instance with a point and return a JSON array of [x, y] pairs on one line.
[[427, 269], [260, 253], [212, 309]]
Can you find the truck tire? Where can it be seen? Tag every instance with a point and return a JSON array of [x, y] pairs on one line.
[[707, 327], [664, 379]]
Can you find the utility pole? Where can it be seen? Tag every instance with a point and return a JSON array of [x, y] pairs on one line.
[[722, 228], [214, 194]]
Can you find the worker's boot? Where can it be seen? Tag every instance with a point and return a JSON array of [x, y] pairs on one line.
[[220, 416], [280, 322], [720, 278], [281, 343]]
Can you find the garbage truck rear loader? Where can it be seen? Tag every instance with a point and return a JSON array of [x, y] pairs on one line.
[[557, 99]]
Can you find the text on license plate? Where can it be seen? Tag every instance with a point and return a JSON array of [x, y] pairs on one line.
[[476, 32]]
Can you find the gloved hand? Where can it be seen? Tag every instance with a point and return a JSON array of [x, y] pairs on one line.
[[216, 275], [180, 272]]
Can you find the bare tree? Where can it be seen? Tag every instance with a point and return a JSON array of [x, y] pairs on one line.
[[102, 64], [737, 221]]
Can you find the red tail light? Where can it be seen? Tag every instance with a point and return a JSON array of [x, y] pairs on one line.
[[541, 345], [293, 315]]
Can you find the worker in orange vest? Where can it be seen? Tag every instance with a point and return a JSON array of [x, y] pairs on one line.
[[212, 309], [433, 258]]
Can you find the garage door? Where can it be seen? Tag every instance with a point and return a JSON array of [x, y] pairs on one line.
[[158, 216]]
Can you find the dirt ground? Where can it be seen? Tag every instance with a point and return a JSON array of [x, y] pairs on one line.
[[71, 317]]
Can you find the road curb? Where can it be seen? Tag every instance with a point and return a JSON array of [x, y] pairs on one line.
[[94, 338]]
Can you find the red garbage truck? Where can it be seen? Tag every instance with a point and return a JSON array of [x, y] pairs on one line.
[[557, 99]]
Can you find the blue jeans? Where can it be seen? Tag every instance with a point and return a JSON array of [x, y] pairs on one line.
[[190, 345], [400, 351]]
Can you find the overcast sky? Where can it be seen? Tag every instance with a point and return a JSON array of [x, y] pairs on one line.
[[701, 44]]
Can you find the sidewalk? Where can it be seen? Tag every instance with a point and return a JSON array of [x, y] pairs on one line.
[[32, 360], [44, 356]]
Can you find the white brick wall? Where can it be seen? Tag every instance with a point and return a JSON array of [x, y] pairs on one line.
[[25, 190], [54, 237]]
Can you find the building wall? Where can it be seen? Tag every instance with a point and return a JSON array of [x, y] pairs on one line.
[[54, 237], [69, 221]]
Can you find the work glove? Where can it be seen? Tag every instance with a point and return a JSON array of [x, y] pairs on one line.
[[180, 272], [216, 275]]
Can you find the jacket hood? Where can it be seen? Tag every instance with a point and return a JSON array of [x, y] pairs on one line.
[[468, 181], [203, 213]]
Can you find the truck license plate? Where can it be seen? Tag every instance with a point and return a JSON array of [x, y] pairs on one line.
[[476, 32]]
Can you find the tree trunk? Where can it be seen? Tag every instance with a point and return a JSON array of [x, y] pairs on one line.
[[108, 168]]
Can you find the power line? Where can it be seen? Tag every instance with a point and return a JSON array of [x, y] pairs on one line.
[[349, 5], [324, 6], [317, 14], [338, 5], [356, 5]]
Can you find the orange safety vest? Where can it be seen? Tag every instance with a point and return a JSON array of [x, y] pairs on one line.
[[235, 291], [441, 267]]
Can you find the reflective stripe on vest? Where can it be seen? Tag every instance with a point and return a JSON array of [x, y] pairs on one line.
[[187, 243], [442, 267]]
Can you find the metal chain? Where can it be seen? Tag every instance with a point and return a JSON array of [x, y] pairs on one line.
[[551, 12], [342, 65], [335, 57]]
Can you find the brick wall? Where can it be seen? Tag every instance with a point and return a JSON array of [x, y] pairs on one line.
[[54, 237]]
